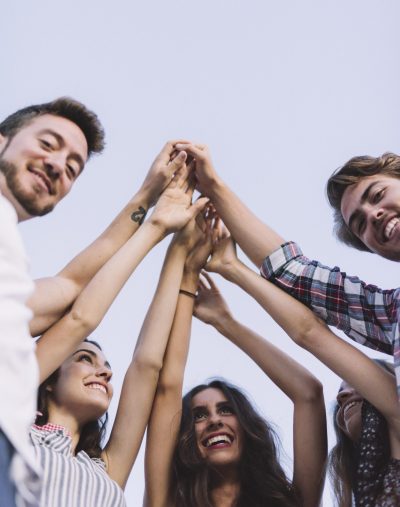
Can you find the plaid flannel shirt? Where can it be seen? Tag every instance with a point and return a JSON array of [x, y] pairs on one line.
[[366, 314]]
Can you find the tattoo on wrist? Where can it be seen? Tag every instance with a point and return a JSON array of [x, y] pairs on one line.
[[139, 215]]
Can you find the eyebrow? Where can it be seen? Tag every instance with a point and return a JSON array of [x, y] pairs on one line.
[[219, 404], [92, 354], [357, 213], [61, 142]]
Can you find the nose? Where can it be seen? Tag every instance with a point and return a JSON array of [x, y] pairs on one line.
[[54, 164], [344, 395], [104, 372], [214, 420], [376, 214]]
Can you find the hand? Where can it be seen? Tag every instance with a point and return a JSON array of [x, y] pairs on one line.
[[210, 307], [192, 232], [223, 257], [205, 173], [162, 171], [201, 250], [174, 209]]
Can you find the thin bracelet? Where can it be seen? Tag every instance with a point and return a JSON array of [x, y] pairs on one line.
[[187, 293]]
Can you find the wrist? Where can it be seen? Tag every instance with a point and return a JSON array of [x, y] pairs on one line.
[[158, 231], [190, 281], [225, 320]]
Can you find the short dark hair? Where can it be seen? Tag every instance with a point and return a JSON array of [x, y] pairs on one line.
[[356, 169], [65, 107]]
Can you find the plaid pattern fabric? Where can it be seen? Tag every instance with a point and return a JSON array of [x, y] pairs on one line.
[[366, 314]]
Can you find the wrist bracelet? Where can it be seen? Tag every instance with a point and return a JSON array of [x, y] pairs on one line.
[[187, 293]]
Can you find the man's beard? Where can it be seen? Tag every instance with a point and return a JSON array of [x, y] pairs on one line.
[[29, 204]]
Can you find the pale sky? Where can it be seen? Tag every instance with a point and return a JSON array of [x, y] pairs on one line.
[[282, 92]]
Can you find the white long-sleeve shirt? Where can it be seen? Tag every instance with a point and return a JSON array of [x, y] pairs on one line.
[[18, 365]]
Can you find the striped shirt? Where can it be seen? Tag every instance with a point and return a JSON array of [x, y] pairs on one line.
[[68, 480], [367, 314]]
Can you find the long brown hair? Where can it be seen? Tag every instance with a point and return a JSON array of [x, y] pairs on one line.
[[343, 458], [262, 479], [93, 432]]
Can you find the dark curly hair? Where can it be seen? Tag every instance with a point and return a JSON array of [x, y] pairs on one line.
[[262, 479], [92, 434], [351, 173], [64, 107]]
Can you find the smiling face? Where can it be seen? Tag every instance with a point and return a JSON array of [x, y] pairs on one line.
[[83, 387], [371, 210], [348, 417], [219, 435], [40, 163]]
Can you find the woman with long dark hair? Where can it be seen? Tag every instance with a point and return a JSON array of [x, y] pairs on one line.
[[215, 450], [365, 464], [79, 470]]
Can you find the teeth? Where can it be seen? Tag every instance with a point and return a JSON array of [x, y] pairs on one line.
[[218, 439], [98, 386], [390, 227], [347, 407]]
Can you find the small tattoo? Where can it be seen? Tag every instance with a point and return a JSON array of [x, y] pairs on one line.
[[139, 215]]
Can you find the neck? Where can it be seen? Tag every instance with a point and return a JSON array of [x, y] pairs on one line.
[[69, 422], [6, 192], [225, 490]]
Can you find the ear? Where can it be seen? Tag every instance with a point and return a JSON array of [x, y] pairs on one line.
[[3, 141], [49, 388]]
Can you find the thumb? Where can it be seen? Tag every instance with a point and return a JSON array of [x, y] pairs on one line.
[[199, 205]]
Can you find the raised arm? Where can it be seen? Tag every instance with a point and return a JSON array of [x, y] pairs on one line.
[[304, 390], [255, 238], [54, 295], [172, 212], [368, 378], [166, 413]]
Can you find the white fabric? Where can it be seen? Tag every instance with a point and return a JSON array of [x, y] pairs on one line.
[[18, 365]]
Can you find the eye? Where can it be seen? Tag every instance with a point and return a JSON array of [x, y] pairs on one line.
[[226, 410], [45, 144], [71, 172], [377, 196], [199, 415], [86, 357]]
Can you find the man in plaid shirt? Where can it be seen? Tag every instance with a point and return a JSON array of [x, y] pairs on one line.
[[365, 196]]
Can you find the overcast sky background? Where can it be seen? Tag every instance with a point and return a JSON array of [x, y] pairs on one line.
[[282, 92]]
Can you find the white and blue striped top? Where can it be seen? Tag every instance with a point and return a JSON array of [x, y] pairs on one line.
[[72, 481]]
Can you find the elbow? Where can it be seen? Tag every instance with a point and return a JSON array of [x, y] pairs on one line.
[[307, 333], [147, 364], [83, 323], [313, 391]]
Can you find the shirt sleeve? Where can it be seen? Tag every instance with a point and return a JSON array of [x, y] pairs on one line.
[[364, 312]]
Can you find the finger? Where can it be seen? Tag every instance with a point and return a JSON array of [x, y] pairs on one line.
[[178, 162], [198, 206], [192, 150], [191, 183], [168, 149], [203, 280], [209, 279]]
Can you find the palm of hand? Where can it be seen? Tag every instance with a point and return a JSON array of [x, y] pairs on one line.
[[172, 209]]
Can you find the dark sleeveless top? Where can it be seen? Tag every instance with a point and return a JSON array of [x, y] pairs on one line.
[[378, 475]]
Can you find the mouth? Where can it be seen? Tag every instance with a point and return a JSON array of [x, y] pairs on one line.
[[390, 227], [217, 441], [97, 386], [42, 179], [350, 405]]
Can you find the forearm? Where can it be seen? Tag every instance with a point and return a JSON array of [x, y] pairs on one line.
[[165, 417], [299, 386], [54, 295], [291, 315], [58, 342], [255, 238]]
